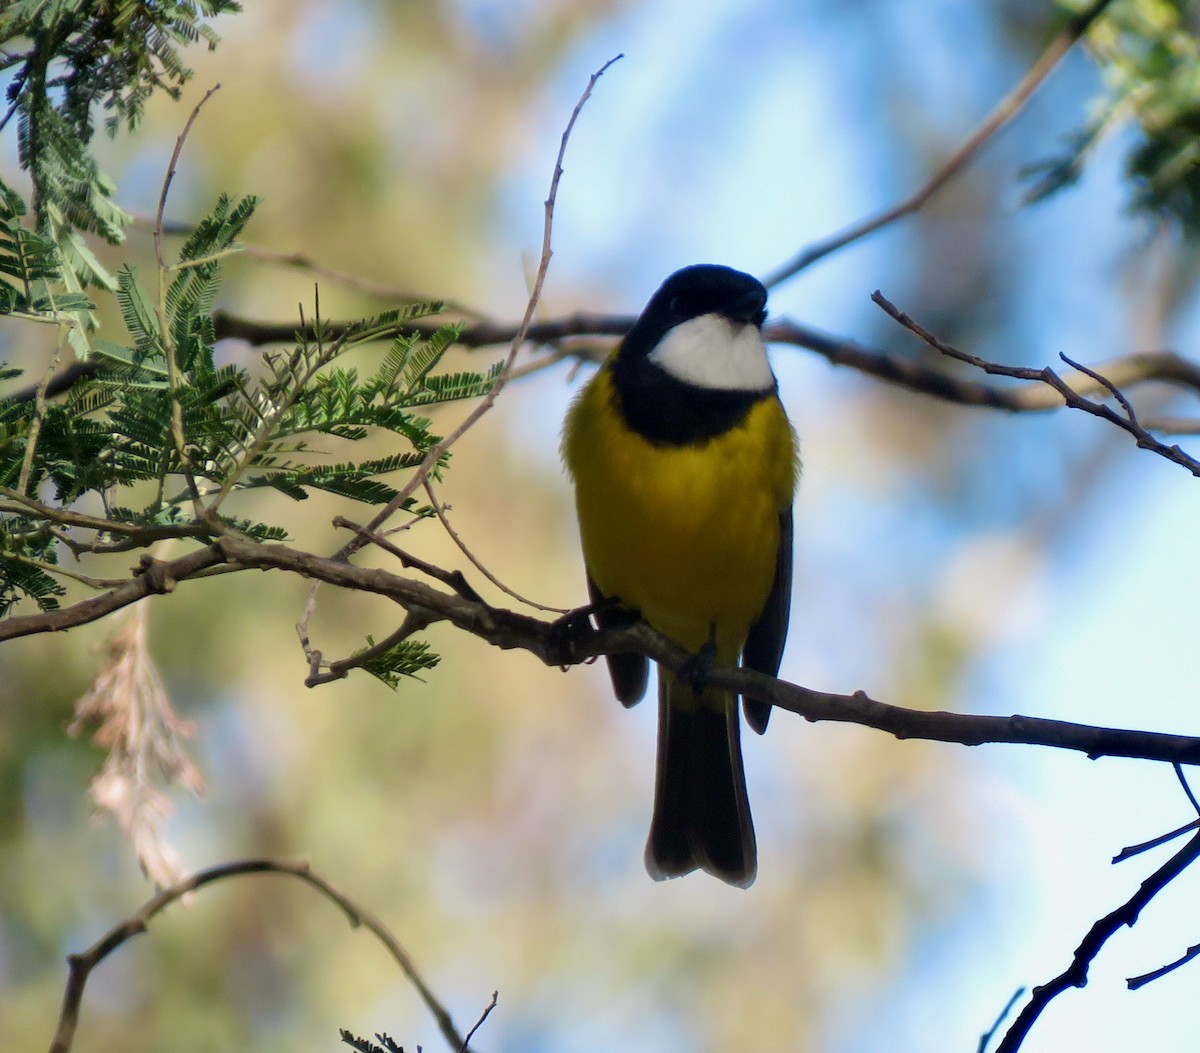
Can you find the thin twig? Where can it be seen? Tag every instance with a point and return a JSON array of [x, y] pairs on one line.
[[1181, 775], [1076, 974], [174, 381], [454, 578], [81, 965], [414, 621], [167, 179], [440, 512], [55, 568], [1154, 842], [438, 450], [1134, 982], [1005, 111], [1127, 422], [479, 1023], [986, 1038], [900, 370]]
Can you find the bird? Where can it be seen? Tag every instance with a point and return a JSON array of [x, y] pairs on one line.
[[685, 465]]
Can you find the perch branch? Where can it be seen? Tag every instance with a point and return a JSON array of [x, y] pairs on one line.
[[510, 629], [900, 370]]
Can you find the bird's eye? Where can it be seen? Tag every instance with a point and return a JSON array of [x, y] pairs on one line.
[[676, 306]]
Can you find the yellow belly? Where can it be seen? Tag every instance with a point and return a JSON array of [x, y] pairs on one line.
[[687, 535]]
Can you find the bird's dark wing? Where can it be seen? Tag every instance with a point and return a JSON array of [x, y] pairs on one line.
[[629, 670], [764, 645]]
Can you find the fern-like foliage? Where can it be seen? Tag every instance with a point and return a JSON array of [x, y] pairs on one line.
[[24, 544], [68, 58], [386, 1044], [408, 658], [1149, 53], [30, 263], [158, 423]]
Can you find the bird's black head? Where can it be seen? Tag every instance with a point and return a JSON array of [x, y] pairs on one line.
[[706, 288], [694, 364]]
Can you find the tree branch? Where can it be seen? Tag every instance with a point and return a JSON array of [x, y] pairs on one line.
[[81, 965], [1076, 974], [548, 642], [151, 577], [1004, 112], [1127, 371], [1127, 420]]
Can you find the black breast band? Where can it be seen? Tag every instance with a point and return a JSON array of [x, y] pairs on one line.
[[667, 411]]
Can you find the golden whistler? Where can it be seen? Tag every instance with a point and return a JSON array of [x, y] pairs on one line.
[[684, 466]]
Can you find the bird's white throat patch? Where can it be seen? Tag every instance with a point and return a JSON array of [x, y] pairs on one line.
[[713, 352]]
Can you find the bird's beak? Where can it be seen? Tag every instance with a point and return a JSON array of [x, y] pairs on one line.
[[750, 308]]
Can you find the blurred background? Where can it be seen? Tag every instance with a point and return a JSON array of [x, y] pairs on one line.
[[946, 558]]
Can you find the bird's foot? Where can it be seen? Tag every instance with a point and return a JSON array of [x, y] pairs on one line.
[[696, 669], [571, 630]]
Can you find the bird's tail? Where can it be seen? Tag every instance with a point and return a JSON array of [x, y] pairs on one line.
[[701, 814]]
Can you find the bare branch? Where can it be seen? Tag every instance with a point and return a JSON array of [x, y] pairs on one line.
[[174, 381], [453, 578], [1004, 112], [1076, 974], [1134, 982], [1125, 371], [481, 334], [1154, 842], [170, 175], [81, 965], [414, 621], [438, 450], [901, 370], [1127, 422], [479, 1023], [1181, 775], [986, 1038], [512, 630], [151, 577]]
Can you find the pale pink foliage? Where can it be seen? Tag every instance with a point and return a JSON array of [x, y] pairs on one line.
[[129, 707]]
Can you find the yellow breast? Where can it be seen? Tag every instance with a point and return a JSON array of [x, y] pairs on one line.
[[688, 535]]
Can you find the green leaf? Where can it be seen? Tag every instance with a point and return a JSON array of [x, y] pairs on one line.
[[1148, 54], [408, 658], [139, 316], [20, 580]]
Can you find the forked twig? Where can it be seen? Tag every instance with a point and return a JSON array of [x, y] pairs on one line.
[[1127, 421], [1076, 974], [81, 965]]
